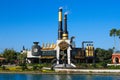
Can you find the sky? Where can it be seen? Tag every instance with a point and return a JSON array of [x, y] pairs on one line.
[[24, 21]]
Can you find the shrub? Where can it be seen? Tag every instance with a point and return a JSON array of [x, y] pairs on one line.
[[23, 66], [3, 68], [35, 67], [103, 64], [94, 65], [114, 67]]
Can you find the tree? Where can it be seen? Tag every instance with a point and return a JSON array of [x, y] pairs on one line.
[[113, 33], [10, 55], [103, 55], [22, 58], [118, 33]]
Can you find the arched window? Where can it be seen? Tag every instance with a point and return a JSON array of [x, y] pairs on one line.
[[116, 60]]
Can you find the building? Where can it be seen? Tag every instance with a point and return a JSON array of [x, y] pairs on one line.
[[63, 53], [116, 58]]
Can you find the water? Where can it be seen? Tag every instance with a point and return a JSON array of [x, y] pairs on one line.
[[57, 77]]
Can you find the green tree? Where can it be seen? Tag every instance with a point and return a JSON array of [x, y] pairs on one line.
[[10, 55], [113, 34], [118, 33], [22, 58], [103, 55]]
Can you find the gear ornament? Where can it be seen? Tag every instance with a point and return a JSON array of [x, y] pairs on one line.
[[63, 45]]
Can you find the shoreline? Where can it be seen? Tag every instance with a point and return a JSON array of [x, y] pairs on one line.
[[69, 71], [90, 70]]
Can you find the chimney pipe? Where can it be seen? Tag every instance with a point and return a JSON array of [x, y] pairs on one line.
[[65, 24], [60, 30], [65, 32]]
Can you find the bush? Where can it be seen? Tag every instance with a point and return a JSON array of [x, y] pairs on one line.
[[81, 65], [23, 66], [104, 64], [35, 67], [94, 65], [3, 68], [47, 71], [114, 67]]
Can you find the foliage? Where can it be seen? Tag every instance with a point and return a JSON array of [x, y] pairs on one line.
[[47, 71], [15, 68], [37, 67], [23, 66], [42, 65], [103, 55], [118, 33], [10, 55], [3, 68], [82, 65], [104, 64], [22, 58], [114, 67], [94, 65], [1, 54], [114, 32]]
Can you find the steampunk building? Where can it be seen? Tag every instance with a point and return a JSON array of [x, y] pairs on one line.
[[63, 53]]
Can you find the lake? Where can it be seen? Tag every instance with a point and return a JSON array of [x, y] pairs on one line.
[[57, 77]]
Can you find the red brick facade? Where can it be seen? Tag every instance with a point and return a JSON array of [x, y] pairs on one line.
[[116, 58]]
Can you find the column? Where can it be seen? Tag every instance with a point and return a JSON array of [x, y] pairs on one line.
[[58, 52], [68, 55]]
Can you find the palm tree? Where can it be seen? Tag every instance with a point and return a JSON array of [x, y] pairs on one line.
[[113, 33], [118, 33]]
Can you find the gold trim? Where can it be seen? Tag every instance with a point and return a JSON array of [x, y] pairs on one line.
[[60, 16], [64, 38], [64, 35]]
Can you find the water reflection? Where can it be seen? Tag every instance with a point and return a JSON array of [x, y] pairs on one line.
[[62, 77], [57, 77]]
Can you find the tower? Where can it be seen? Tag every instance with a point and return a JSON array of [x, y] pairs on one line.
[[60, 30], [63, 48], [65, 32]]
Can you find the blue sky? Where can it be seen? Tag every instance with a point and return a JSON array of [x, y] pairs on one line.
[[24, 21]]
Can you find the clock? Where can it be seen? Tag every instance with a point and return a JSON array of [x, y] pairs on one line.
[[63, 45], [35, 50]]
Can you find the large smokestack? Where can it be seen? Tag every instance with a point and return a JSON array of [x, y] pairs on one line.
[[65, 32], [60, 30], [65, 24]]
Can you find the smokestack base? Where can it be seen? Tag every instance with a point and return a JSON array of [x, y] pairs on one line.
[[64, 36]]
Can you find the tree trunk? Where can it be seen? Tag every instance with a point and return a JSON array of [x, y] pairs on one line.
[[114, 45], [119, 42]]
